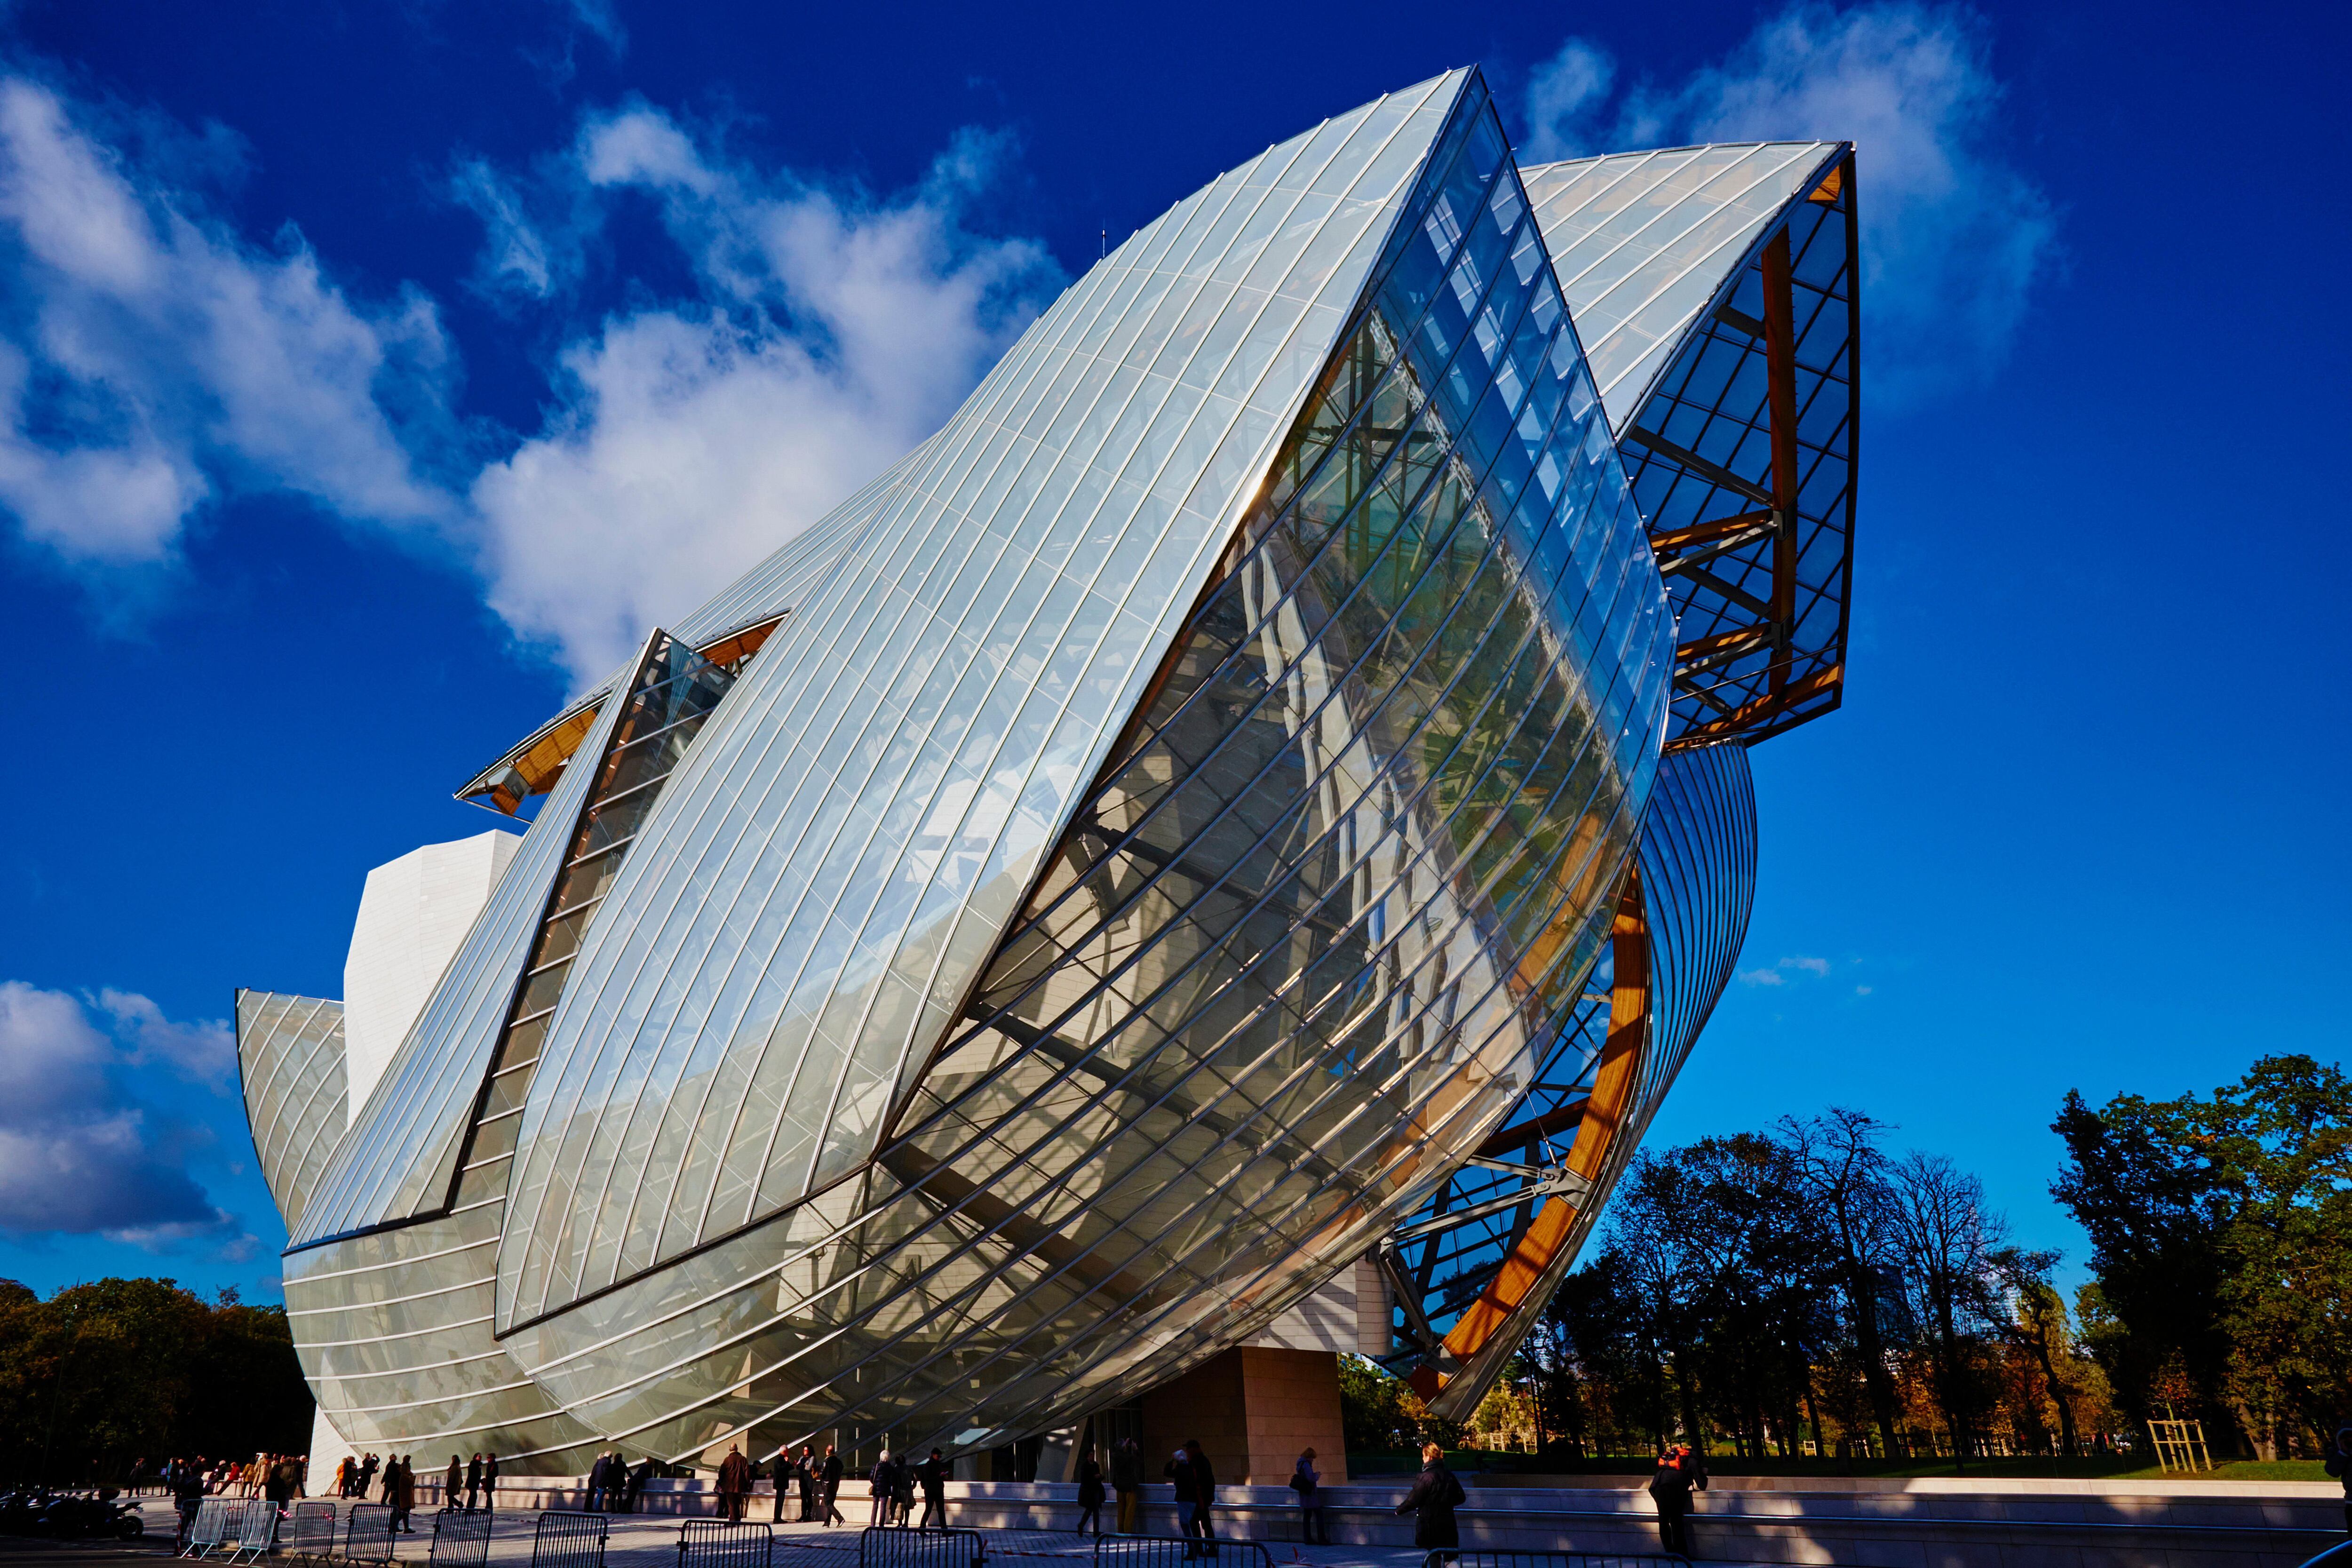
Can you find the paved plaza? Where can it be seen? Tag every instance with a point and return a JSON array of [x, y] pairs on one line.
[[650, 1540]]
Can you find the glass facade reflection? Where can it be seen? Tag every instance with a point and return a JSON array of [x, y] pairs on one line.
[[1118, 869]]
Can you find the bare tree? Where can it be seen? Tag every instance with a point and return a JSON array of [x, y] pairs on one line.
[[1945, 1237], [1843, 1171]]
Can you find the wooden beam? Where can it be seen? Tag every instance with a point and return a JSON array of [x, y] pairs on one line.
[[1604, 1110], [1770, 705], [1676, 539], [1781, 400]]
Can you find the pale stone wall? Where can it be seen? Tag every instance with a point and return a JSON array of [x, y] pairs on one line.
[[412, 914]]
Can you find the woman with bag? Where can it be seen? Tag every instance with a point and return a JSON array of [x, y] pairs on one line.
[[1436, 1493]]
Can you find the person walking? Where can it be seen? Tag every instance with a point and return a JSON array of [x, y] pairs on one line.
[[1678, 1471], [1204, 1495], [1090, 1492], [881, 1484], [933, 1474], [1436, 1493], [1307, 1481], [1127, 1482], [829, 1488], [454, 1486], [734, 1484]]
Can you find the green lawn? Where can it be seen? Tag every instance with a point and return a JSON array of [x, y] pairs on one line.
[[2122, 1467]]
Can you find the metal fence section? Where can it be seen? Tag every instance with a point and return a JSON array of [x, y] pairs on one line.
[[313, 1531], [1175, 1551], [1442, 1555], [215, 1525], [257, 1532], [886, 1546], [568, 1541], [461, 1538], [715, 1543], [367, 1534]]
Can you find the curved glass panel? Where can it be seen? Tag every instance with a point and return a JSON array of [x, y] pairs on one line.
[[289, 1059], [1301, 944], [811, 903]]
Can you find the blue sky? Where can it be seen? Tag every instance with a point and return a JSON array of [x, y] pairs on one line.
[[371, 376]]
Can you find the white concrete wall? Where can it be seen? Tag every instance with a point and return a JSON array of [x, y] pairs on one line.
[[412, 914]]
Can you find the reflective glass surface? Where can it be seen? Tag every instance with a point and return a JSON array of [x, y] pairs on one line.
[[289, 1059], [1697, 862], [794, 937], [1302, 941]]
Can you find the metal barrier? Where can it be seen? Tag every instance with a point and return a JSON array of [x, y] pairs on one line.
[[1482, 1558], [213, 1526], [716, 1544], [461, 1538], [257, 1532], [367, 1534], [568, 1541], [892, 1546], [313, 1535], [1172, 1551]]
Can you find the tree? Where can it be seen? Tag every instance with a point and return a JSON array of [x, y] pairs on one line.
[[2036, 1321], [1843, 1173], [2155, 1208], [1945, 1235], [2221, 1236], [1378, 1414]]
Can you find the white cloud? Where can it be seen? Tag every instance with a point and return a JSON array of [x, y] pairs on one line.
[[203, 1051], [150, 359], [79, 1150], [154, 361], [1779, 974], [830, 334], [1954, 236]]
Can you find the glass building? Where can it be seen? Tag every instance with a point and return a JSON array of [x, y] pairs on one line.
[[1258, 799]]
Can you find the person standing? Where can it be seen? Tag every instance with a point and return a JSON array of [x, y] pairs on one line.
[[787, 1472], [369, 1464], [830, 1487], [1307, 1482], [1436, 1493], [881, 1484], [1204, 1495], [804, 1472], [473, 1483], [187, 1497], [404, 1495], [633, 1480], [2338, 1464], [1678, 1470], [933, 1474], [490, 1481], [453, 1486], [1178, 1471], [1090, 1492], [1127, 1482], [734, 1483], [902, 1490]]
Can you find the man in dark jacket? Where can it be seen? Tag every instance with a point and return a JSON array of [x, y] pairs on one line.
[[829, 1486], [473, 1483], [734, 1484], [933, 1474], [1435, 1494], [631, 1480], [1679, 1470], [490, 1480]]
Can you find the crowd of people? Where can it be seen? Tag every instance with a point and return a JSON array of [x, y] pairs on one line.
[[615, 1485]]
